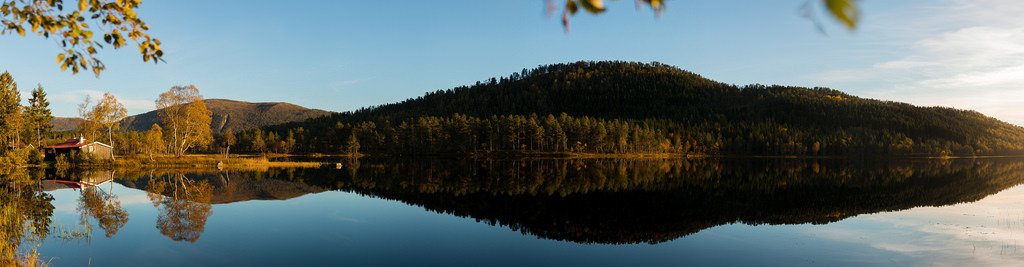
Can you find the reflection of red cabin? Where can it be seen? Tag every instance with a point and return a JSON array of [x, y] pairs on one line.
[[51, 185], [78, 181], [79, 145]]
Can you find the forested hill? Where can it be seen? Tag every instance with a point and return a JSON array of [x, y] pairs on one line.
[[596, 89], [237, 115], [626, 107], [65, 124]]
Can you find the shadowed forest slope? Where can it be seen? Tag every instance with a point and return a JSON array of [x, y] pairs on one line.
[[629, 107]]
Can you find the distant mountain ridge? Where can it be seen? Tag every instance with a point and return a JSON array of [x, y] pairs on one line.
[[238, 115], [65, 124]]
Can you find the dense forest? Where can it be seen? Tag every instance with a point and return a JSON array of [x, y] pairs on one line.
[[629, 107]]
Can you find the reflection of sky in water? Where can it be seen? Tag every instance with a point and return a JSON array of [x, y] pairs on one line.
[[335, 228], [987, 232]]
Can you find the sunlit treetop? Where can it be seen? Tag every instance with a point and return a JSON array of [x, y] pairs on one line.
[[77, 29], [845, 11]]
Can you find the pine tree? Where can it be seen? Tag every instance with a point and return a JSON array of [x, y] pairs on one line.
[[257, 143], [154, 140], [352, 145], [39, 114], [10, 111]]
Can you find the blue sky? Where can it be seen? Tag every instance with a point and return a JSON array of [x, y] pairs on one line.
[[342, 55]]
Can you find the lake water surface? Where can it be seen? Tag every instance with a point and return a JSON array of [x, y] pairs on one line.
[[595, 212]]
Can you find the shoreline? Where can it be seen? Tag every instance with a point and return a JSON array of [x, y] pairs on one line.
[[249, 161]]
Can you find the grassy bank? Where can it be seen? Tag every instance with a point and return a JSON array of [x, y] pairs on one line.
[[261, 162], [201, 161], [574, 155]]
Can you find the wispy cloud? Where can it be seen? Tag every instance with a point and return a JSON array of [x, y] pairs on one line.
[[347, 84], [984, 233], [73, 98], [978, 63]]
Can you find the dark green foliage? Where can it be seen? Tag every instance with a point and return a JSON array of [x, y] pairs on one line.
[[11, 117], [35, 157], [62, 163], [461, 134], [628, 107], [11, 158], [38, 116]]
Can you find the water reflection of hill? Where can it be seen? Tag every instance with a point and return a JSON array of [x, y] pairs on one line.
[[234, 187], [651, 201], [634, 201]]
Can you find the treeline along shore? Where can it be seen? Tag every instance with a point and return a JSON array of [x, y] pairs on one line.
[[580, 109]]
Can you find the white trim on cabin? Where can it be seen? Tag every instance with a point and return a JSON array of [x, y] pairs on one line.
[[102, 144]]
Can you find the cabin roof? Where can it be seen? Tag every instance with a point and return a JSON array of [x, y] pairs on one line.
[[57, 184], [76, 143]]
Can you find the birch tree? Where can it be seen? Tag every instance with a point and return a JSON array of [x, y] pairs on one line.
[[185, 118], [108, 113], [229, 140], [88, 128]]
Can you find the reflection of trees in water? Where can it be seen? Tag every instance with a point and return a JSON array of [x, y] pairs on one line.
[[623, 200], [25, 213], [229, 186], [183, 204], [105, 207], [516, 177], [635, 201], [155, 190]]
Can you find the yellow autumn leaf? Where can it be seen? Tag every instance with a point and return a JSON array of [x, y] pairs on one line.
[[593, 6], [571, 7], [845, 11], [655, 4]]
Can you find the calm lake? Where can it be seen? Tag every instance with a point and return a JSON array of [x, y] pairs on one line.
[[591, 212]]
